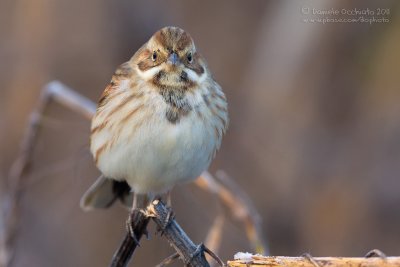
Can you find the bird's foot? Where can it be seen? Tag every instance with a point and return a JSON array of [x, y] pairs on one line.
[[131, 225]]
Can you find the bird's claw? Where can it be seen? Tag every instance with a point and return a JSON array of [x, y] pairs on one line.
[[130, 228]]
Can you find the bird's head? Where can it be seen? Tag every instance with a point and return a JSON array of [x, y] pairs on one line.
[[170, 59]]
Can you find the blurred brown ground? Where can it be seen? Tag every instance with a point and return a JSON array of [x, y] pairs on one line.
[[314, 137]]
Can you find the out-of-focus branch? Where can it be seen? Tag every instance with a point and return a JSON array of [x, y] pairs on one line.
[[11, 200], [262, 261], [214, 236], [68, 97], [239, 205]]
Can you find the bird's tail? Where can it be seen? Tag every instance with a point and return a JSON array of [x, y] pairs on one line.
[[104, 192]]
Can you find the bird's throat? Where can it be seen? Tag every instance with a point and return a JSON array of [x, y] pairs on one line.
[[177, 104]]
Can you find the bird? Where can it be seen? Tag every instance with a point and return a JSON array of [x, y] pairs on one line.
[[158, 123]]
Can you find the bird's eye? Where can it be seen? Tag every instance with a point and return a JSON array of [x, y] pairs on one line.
[[190, 57], [154, 56]]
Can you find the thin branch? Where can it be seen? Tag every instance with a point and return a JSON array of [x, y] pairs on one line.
[[191, 254], [11, 201], [70, 98], [168, 260], [125, 251], [214, 256], [214, 236], [239, 205], [262, 261]]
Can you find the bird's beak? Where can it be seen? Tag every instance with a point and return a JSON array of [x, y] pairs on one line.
[[173, 59]]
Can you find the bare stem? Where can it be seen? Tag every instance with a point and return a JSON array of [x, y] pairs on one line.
[[11, 201], [262, 261], [239, 205], [125, 251], [191, 254]]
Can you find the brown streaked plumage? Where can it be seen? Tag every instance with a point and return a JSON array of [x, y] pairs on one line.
[[99, 127], [131, 113], [160, 121], [99, 151]]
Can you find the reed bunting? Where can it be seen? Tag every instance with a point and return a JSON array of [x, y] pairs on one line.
[[158, 123]]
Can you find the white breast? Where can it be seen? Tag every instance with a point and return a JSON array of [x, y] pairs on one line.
[[153, 154]]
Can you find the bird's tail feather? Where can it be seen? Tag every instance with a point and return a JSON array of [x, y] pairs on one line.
[[104, 192]]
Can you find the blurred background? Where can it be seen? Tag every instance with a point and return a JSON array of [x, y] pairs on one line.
[[314, 137]]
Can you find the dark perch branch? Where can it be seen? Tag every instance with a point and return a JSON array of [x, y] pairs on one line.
[[125, 251], [192, 255]]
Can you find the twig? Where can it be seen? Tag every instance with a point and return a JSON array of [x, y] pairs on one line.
[[311, 259], [213, 239], [125, 251], [262, 261], [191, 254], [68, 97], [214, 256], [239, 205], [11, 201], [375, 253], [168, 260]]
